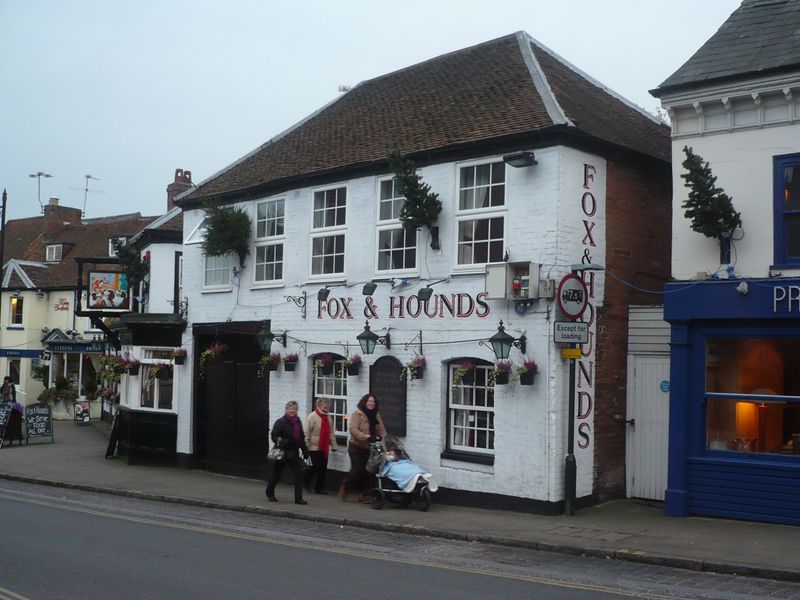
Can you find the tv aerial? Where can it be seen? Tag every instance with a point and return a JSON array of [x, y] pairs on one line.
[[38, 176], [86, 191]]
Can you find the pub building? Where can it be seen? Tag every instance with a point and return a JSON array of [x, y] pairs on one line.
[[540, 170], [734, 422]]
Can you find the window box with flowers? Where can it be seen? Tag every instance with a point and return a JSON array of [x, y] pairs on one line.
[[290, 361], [527, 372], [353, 364], [268, 362], [179, 356], [415, 368], [325, 363], [501, 373], [210, 353], [464, 373]]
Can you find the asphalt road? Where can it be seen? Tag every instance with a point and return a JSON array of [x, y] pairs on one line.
[[65, 544]]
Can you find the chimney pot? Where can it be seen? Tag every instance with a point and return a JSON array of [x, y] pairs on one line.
[[53, 202]]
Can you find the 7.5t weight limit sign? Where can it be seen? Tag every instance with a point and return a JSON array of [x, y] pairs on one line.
[[572, 296]]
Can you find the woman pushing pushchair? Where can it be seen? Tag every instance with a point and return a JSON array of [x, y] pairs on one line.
[[399, 478]]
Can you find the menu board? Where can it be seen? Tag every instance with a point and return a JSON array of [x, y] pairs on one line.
[[390, 391], [38, 421]]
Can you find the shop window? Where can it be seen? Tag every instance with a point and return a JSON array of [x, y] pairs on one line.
[[753, 395], [17, 303], [470, 409], [787, 210], [333, 387], [480, 218]]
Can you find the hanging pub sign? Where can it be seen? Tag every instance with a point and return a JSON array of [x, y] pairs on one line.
[[572, 296], [108, 290]]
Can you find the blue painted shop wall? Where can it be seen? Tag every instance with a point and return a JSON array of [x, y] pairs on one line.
[[741, 485]]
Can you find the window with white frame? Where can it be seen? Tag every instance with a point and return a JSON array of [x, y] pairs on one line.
[[52, 253], [217, 271], [15, 316], [333, 387], [327, 234], [470, 414], [156, 380], [480, 216], [397, 246], [112, 244], [269, 241]]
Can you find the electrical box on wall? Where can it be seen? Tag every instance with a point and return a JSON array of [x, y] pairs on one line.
[[512, 281]]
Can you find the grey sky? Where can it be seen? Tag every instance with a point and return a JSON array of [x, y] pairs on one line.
[[128, 91]]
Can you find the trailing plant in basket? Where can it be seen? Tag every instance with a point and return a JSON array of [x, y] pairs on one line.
[[290, 361], [414, 368], [227, 229], [179, 356], [212, 351], [526, 372], [324, 362], [464, 367], [268, 362], [501, 372], [352, 364], [421, 207]]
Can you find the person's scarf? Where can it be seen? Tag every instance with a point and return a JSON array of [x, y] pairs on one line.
[[372, 417], [325, 433], [297, 430]]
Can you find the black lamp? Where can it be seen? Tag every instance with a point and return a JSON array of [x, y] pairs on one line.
[[368, 339], [520, 159], [323, 294], [501, 343], [424, 294], [265, 337], [369, 288]]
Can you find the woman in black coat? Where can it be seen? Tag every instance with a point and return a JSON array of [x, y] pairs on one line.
[[287, 433]]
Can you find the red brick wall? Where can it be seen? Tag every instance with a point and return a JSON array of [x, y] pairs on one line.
[[638, 233]]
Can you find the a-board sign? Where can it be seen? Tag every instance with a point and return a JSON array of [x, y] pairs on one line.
[[570, 332], [81, 411], [390, 391], [5, 415], [38, 421]]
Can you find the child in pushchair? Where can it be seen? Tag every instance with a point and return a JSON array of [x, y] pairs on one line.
[[400, 480]]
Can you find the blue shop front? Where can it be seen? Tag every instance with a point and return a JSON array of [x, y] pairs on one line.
[[734, 441]]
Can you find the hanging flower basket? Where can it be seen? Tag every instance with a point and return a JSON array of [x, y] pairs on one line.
[[119, 369], [325, 363], [527, 378], [501, 378], [179, 356], [353, 365], [464, 373], [415, 368], [527, 372], [290, 362], [133, 367], [501, 373]]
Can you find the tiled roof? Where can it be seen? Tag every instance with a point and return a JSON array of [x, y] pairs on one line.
[[759, 37], [26, 240], [479, 94]]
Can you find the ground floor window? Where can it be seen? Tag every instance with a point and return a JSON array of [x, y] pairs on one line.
[[753, 395], [156, 379], [470, 403], [332, 385], [14, 370]]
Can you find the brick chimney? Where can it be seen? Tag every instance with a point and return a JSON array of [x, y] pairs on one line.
[[183, 181], [56, 216]]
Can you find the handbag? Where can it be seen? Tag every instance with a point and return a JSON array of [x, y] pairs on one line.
[[276, 454]]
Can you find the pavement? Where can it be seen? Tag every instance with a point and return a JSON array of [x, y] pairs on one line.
[[621, 529]]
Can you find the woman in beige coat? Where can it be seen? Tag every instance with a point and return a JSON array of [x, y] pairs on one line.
[[321, 441], [366, 426]]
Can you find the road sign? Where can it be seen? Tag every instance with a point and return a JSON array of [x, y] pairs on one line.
[[570, 332], [573, 353], [572, 296]]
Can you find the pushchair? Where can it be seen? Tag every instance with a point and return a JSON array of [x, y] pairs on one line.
[[386, 458]]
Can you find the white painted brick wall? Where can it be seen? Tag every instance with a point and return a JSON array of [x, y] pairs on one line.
[[543, 224]]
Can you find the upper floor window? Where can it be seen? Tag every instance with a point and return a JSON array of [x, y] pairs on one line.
[[52, 253], [15, 317], [113, 242], [327, 236], [480, 217], [787, 210], [269, 241], [217, 271], [397, 246]]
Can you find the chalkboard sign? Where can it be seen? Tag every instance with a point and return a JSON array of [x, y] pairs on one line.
[[390, 390], [38, 421], [5, 415]]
